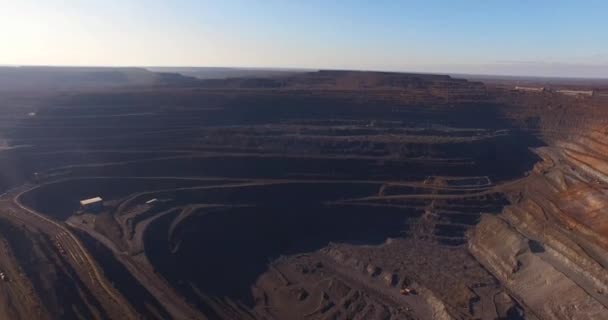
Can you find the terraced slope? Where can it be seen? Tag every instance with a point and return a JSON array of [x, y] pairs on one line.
[[335, 195], [549, 247]]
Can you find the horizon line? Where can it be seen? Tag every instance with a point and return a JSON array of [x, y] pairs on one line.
[[305, 69]]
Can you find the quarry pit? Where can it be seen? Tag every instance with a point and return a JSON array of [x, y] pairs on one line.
[[418, 197]]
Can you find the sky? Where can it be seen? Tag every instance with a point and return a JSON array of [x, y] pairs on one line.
[[541, 38]]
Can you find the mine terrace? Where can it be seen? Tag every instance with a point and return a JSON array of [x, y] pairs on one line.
[[330, 194]]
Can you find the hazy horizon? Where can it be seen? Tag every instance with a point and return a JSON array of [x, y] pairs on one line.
[[544, 38], [480, 75]]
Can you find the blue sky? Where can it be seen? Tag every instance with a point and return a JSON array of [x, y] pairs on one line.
[[554, 38]]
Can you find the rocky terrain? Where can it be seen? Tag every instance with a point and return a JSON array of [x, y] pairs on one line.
[[322, 195], [548, 247]]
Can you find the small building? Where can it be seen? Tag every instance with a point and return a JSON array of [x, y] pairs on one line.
[[530, 89], [576, 93], [92, 204]]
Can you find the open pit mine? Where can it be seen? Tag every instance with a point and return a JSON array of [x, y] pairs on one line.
[[320, 195]]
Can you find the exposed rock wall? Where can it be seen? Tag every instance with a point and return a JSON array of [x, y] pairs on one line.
[[550, 247]]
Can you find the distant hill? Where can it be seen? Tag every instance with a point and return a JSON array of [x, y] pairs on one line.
[[413, 87], [227, 72], [421, 86], [550, 82], [341, 80], [25, 78]]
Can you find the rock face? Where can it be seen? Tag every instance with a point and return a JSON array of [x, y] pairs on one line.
[[536, 274], [549, 248]]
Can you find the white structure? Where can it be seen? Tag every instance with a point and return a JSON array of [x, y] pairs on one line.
[[530, 89], [91, 204], [576, 92]]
